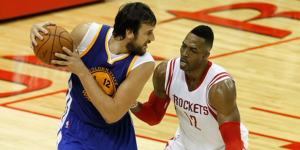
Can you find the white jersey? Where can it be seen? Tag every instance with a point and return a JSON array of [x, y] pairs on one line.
[[198, 129]]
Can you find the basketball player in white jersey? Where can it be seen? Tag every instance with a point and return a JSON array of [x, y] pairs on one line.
[[204, 96]]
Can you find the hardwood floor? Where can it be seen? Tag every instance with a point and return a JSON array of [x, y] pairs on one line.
[[261, 52]]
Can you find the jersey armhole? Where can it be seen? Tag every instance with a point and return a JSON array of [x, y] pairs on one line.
[[147, 57], [89, 39], [138, 60]]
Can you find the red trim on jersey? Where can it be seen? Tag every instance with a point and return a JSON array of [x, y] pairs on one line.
[[168, 141], [218, 79], [212, 112], [212, 83], [169, 77], [210, 106], [217, 76], [209, 64], [214, 80], [171, 71], [209, 88], [168, 81]]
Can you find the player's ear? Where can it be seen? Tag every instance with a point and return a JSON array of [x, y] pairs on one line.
[[129, 34], [206, 55]]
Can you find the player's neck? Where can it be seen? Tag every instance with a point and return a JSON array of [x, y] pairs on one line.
[[195, 75], [117, 46]]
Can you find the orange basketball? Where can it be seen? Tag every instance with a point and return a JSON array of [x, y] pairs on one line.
[[52, 43]]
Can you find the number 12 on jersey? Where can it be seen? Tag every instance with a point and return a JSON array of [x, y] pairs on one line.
[[193, 120]]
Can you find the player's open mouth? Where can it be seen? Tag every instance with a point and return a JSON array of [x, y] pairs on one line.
[[183, 62], [146, 44]]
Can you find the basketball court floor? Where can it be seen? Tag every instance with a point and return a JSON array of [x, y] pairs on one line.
[[256, 41]]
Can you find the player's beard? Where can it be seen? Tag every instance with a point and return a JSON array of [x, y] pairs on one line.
[[135, 49]]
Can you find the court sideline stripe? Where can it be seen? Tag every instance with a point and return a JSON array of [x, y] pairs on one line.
[[273, 112], [253, 48], [25, 99]]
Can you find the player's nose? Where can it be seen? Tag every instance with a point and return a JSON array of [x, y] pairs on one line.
[[152, 37], [184, 52]]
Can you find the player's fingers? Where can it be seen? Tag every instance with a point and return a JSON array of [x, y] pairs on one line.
[[52, 23], [30, 44], [34, 32], [60, 66], [49, 23], [67, 51], [59, 62], [62, 56], [32, 39], [41, 28]]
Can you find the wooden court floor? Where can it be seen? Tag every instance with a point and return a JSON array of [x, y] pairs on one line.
[[256, 41]]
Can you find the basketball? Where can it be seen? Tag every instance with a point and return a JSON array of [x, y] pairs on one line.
[[52, 43]]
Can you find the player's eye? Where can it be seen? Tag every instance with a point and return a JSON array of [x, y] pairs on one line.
[[193, 50]]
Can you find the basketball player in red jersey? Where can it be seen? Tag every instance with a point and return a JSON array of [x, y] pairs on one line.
[[204, 96], [111, 62]]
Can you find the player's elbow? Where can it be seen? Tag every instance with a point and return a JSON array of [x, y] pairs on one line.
[[110, 120], [155, 121], [111, 117]]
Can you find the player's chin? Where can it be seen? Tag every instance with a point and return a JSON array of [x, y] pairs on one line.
[[183, 68], [142, 52]]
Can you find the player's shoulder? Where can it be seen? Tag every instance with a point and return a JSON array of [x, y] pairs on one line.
[[216, 68], [220, 77], [83, 35], [146, 56], [161, 69], [163, 66], [80, 31], [83, 28]]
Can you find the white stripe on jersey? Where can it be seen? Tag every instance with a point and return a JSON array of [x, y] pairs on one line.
[[172, 64], [66, 113]]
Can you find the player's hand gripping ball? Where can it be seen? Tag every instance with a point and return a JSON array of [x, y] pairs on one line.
[[52, 43]]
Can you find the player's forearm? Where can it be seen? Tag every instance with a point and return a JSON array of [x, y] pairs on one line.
[[106, 105], [229, 122], [152, 111]]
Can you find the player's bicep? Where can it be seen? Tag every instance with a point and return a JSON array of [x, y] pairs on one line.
[[159, 78], [131, 87], [222, 96]]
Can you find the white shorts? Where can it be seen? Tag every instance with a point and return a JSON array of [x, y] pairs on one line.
[[175, 143]]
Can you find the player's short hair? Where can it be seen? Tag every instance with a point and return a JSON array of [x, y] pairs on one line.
[[131, 16], [206, 33]]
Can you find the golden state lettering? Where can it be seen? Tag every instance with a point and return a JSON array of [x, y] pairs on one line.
[[105, 79]]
